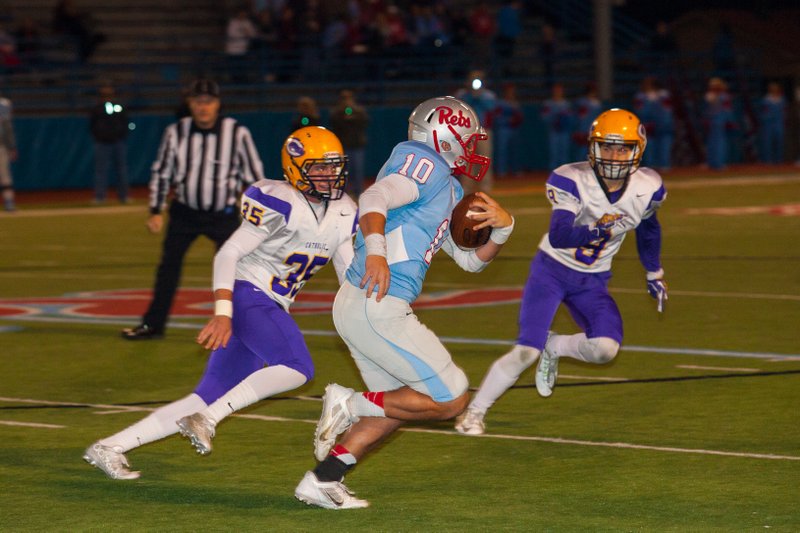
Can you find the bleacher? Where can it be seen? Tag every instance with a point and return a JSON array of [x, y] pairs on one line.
[[152, 47], [148, 46]]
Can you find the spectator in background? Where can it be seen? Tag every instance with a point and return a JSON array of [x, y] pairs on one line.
[[481, 22], [8, 153], [718, 121], [68, 21], [723, 53], [396, 40], [263, 46], [587, 108], [309, 39], [286, 26], [665, 130], [662, 49], [307, 113], [9, 60], [108, 123], [484, 102], [506, 120], [771, 121], [349, 121], [509, 27], [29, 42], [653, 105], [557, 115], [547, 52], [239, 34]]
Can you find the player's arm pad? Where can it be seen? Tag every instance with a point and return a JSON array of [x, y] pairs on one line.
[[564, 234], [388, 193], [648, 243], [466, 259], [243, 241]]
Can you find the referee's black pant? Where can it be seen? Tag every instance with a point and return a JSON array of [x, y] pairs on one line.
[[185, 225]]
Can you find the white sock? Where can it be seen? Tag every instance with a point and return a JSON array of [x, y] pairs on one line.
[[503, 373], [254, 388], [360, 405], [566, 345], [157, 425], [597, 350]]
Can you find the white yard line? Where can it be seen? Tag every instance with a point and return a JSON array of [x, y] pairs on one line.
[[551, 440], [664, 350], [78, 211], [621, 445], [593, 378], [30, 424], [722, 368]]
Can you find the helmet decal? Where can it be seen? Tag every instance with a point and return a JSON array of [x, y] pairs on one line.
[[316, 165], [642, 132], [446, 116], [452, 128], [295, 147]]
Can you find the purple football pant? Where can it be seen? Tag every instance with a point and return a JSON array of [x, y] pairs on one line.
[[263, 333], [585, 295]]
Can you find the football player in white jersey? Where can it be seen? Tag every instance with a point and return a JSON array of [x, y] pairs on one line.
[[404, 221], [290, 230], [595, 204]]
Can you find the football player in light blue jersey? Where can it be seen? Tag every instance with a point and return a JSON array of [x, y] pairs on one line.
[[413, 228], [404, 220]]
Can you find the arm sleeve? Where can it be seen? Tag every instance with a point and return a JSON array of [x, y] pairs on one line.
[[390, 192], [648, 243], [467, 259], [342, 258], [161, 171], [243, 241], [564, 234]]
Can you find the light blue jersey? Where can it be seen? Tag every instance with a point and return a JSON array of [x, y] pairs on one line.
[[416, 231]]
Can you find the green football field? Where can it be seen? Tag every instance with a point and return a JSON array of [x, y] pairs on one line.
[[694, 427]]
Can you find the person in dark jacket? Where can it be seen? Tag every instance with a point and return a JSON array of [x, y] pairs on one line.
[[108, 122], [349, 121]]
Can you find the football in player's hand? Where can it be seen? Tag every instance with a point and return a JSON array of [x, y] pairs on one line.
[[462, 226]]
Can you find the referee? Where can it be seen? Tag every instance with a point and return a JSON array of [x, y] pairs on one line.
[[205, 159]]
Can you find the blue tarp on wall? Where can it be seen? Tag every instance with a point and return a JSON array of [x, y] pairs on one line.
[[57, 152]]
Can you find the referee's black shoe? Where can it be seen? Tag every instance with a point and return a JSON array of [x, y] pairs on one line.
[[142, 332]]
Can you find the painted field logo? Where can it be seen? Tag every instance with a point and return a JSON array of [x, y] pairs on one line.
[[198, 303]]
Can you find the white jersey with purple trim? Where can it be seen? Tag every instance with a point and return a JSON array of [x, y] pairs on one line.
[[295, 245], [575, 188]]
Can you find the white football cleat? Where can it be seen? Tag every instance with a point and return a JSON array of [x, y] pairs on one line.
[[110, 460], [471, 423], [327, 494], [546, 372], [200, 430], [334, 420]]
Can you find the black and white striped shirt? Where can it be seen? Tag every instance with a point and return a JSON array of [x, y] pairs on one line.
[[207, 168]]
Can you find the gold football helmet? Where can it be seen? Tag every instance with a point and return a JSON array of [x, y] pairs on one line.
[[617, 140], [314, 163]]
